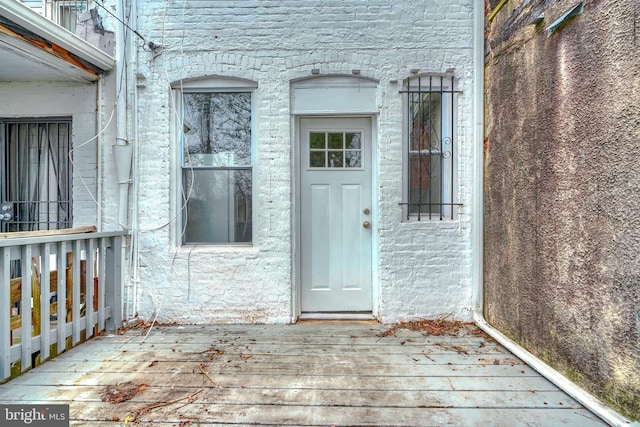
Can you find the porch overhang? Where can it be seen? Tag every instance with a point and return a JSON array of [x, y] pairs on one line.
[[33, 48]]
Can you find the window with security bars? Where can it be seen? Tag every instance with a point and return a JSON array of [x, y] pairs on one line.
[[65, 12], [430, 147], [35, 190]]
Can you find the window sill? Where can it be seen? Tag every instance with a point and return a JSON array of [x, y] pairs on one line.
[[216, 249], [429, 223]]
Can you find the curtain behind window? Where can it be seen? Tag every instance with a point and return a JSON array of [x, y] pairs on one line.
[[37, 175]]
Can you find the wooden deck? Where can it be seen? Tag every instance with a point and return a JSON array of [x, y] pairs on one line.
[[316, 373]]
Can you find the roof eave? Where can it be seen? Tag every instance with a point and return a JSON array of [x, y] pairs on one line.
[[27, 18]]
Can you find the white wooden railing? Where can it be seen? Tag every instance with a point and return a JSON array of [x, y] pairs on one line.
[[56, 292]]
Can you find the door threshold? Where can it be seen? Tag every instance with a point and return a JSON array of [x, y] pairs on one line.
[[338, 315]]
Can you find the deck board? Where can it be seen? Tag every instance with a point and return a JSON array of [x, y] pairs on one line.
[[314, 415], [252, 380], [407, 358], [305, 374], [329, 397], [321, 367]]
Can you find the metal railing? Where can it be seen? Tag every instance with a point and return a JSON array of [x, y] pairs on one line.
[[430, 162], [56, 292], [65, 12], [35, 215]]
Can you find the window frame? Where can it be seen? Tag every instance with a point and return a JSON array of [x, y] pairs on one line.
[[327, 150], [417, 86], [210, 85], [64, 153], [63, 11]]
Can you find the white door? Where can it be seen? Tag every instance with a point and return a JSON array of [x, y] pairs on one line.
[[335, 211]]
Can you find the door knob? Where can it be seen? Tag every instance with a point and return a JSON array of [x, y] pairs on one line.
[[366, 224]]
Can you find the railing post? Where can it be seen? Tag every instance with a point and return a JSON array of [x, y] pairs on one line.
[[104, 263], [113, 281], [5, 313], [61, 328], [102, 250], [45, 300], [89, 275], [26, 309], [75, 292]]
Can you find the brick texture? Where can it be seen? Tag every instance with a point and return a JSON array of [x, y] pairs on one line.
[[421, 269], [64, 100]]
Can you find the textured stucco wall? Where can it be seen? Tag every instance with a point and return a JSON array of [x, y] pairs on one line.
[[420, 269], [562, 190]]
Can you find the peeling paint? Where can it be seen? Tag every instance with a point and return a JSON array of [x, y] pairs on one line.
[[50, 48]]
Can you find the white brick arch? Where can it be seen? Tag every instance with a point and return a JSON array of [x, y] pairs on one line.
[[334, 94], [214, 82]]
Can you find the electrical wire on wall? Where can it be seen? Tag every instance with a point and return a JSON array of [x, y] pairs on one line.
[[96, 136], [103, 211], [178, 115], [133, 261], [179, 119]]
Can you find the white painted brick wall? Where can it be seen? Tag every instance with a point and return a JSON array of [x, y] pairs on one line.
[[34, 4], [57, 99], [422, 269]]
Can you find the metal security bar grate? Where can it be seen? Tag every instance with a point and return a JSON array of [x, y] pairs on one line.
[[65, 12], [35, 189], [40, 215], [430, 147]]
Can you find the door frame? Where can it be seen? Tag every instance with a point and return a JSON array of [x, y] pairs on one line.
[[297, 157]]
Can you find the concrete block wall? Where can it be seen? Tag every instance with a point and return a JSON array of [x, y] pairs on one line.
[[421, 269]]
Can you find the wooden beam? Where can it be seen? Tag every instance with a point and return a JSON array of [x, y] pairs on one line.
[[49, 47], [43, 233]]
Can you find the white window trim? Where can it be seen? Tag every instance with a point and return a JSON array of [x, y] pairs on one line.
[[449, 213], [210, 84]]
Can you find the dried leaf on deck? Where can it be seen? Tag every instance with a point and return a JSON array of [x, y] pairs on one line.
[[118, 393], [438, 327]]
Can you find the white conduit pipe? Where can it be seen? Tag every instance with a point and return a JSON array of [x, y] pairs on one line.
[[607, 414], [135, 185], [99, 142], [122, 157], [589, 401], [122, 150]]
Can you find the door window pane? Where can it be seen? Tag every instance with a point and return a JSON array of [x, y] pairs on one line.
[[317, 140], [335, 159], [317, 158], [336, 140], [353, 159], [335, 150], [353, 140]]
